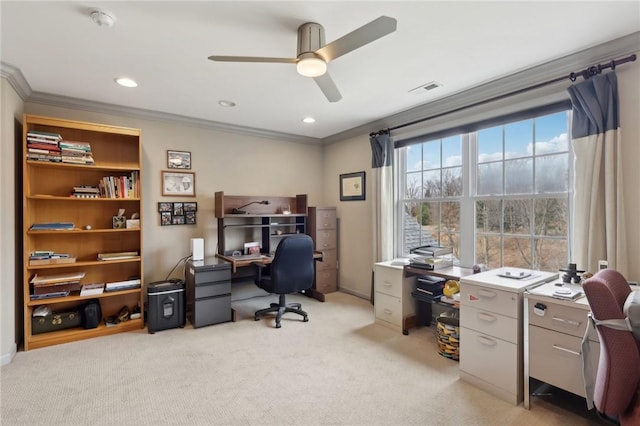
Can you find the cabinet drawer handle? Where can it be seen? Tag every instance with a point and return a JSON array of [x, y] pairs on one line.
[[487, 293], [387, 284], [566, 321], [387, 311], [486, 341], [560, 348], [486, 317]]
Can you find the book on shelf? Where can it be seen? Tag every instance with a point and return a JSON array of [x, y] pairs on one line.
[[49, 295], [52, 261], [118, 255], [122, 285], [52, 226], [92, 289], [57, 287], [44, 157], [57, 278], [44, 135]]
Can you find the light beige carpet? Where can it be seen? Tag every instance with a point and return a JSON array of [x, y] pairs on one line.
[[338, 368]]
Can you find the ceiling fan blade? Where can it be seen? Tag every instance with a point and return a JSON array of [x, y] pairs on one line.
[[328, 87], [357, 38], [252, 59]]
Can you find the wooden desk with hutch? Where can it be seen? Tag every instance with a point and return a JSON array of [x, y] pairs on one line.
[[267, 224]]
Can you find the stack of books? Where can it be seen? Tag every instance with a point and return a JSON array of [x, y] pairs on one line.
[[76, 152], [86, 191], [43, 146], [56, 285], [52, 226], [118, 255], [49, 257]]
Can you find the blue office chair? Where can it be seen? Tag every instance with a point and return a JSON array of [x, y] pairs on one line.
[[292, 271]]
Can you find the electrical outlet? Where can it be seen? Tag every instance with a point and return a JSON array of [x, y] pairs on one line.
[[603, 264]]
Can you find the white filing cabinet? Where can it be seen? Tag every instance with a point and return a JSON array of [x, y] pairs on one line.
[[491, 350], [394, 305], [553, 345]]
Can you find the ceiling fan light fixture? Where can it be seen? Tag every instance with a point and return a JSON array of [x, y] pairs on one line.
[[311, 66]]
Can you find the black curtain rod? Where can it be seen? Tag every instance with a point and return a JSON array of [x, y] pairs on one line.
[[586, 73]]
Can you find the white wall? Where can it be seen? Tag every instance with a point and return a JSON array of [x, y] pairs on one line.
[[354, 154], [10, 108]]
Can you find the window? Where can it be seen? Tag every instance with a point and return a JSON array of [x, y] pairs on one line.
[[498, 195]]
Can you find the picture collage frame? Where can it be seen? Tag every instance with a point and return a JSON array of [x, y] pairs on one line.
[[177, 213]]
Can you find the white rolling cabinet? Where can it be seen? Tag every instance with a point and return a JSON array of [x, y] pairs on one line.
[[393, 303], [491, 330], [554, 329]]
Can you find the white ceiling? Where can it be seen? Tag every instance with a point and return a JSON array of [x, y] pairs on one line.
[[164, 45]]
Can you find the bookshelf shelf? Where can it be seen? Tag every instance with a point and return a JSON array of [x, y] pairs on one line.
[[47, 198]]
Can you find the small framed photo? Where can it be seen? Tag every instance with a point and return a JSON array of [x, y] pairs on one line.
[[165, 218], [178, 210], [165, 207], [352, 186], [178, 220], [181, 184], [178, 159], [190, 217], [190, 207]]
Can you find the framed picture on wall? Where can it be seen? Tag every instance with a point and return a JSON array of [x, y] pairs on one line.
[[178, 183], [178, 159], [352, 186]]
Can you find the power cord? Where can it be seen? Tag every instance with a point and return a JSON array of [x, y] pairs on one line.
[[183, 260]]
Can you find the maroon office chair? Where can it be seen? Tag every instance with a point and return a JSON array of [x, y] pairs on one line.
[[616, 393]]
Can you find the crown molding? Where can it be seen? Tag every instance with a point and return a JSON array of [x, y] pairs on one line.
[[106, 108], [550, 70], [15, 78], [21, 86]]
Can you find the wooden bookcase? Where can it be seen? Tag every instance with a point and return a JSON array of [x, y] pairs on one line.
[[47, 189]]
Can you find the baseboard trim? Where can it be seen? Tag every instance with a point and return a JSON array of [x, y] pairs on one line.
[[7, 358]]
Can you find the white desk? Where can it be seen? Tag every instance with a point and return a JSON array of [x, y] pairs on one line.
[[553, 340]]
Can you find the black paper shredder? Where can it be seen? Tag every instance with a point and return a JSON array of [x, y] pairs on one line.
[[165, 305]]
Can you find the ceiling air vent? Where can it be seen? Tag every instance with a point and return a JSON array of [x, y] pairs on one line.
[[426, 87]]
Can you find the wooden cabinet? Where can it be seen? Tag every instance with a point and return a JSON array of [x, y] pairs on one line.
[[491, 349], [47, 198], [323, 228], [394, 305], [265, 220]]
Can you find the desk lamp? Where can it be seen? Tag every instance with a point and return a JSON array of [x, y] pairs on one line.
[[238, 210]]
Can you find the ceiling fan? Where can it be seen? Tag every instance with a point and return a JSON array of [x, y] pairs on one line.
[[313, 54]]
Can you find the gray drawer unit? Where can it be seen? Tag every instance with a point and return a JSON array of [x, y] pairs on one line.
[[208, 291]]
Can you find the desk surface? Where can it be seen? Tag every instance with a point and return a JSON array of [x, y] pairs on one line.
[[264, 259], [450, 273]]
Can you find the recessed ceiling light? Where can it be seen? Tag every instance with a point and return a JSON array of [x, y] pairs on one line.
[[308, 120], [226, 104], [102, 18], [126, 82]]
